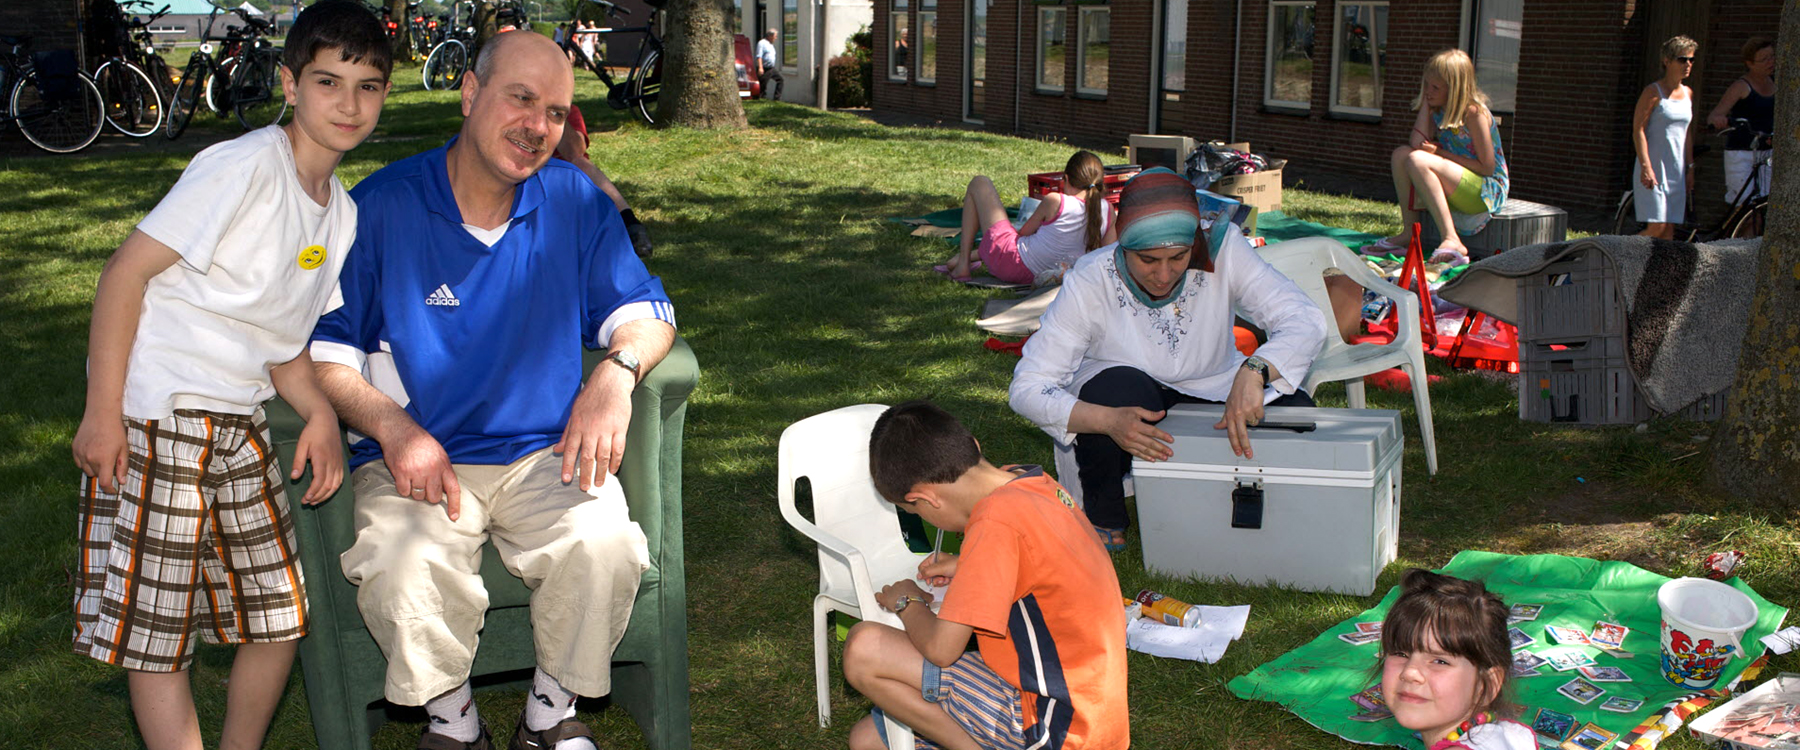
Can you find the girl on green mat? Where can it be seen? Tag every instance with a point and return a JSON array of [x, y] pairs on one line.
[[1445, 662], [1453, 161], [1065, 226]]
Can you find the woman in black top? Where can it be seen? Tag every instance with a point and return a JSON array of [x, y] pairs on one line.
[[1752, 98]]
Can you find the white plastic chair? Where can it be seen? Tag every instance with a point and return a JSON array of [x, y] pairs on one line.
[[1305, 261], [860, 544]]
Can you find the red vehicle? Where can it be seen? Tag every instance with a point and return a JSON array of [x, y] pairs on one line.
[[748, 86]]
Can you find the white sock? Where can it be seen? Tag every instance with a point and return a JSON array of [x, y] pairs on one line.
[[548, 704], [453, 714]]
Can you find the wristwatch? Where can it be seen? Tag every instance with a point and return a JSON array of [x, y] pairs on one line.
[[903, 602], [626, 360], [1259, 366]]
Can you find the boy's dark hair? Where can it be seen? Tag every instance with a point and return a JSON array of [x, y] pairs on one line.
[[344, 25], [1464, 618], [918, 443]]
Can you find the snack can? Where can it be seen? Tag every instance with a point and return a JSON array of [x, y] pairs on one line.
[[1167, 610]]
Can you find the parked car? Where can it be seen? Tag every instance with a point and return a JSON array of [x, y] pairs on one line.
[[748, 86]]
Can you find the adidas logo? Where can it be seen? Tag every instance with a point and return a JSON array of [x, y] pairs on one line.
[[443, 296]]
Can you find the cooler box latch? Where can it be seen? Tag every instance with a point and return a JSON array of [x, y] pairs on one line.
[[1247, 506]]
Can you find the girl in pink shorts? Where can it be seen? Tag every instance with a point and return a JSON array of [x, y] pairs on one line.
[[1065, 225]]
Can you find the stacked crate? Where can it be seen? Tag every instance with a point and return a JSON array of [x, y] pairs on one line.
[[1518, 223], [1572, 357]]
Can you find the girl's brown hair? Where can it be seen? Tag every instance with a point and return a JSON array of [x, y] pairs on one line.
[[1084, 172], [1465, 619]]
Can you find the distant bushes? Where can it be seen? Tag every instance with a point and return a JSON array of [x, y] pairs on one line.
[[853, 73]]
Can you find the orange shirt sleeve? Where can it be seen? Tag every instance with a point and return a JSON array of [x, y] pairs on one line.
[[987, 579]]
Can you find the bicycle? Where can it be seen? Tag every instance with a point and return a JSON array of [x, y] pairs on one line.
[[641, 85], [248, 66], [1748, 209], [449, 59], [55, 105], [132, 96]]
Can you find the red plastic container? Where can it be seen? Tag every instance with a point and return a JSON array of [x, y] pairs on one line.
[[1037, 185]]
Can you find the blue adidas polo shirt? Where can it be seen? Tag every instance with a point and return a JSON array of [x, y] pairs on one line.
[[482, 344]]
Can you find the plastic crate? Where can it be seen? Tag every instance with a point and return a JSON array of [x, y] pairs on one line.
[[1037, 185], [1517, 224], [1577, 296], [1588, 382]]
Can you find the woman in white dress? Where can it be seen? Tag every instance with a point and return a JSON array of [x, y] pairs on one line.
[[1664, 143]]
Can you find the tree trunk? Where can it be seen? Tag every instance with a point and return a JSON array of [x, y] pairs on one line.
[[486, 25], [402, 41], [699, 79], [1757, 446]]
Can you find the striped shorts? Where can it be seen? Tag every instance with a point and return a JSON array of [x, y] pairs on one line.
[[982, 703], [197, 541]]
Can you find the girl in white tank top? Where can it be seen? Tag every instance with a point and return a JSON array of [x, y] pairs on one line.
[[1058, 232]]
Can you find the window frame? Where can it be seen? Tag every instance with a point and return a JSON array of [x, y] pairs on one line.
[[926, 8], [898, 10], [789, 64], [1037, 75], [1271, 56], [1081, 48], [1337, 57]]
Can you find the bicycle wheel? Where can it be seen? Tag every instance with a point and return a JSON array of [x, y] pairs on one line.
[[1625, 219], [218, 86], [61, 120], [646, 83], [133, 103], [257, 99], [1751, 220], [186, 99], [444, 67]]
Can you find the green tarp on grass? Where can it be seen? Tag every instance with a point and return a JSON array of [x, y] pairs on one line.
[[1276, 226], [1316, 680]]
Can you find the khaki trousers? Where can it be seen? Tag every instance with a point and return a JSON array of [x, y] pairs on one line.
[[421, 592]]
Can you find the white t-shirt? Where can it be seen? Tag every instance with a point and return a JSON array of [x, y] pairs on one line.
[[1062, 240], [259, 265], [1096, 323], [766, 51]]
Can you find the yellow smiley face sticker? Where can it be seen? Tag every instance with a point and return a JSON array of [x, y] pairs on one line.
[[312, 257]]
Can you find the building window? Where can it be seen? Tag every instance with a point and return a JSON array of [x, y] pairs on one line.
[[1052, 47], [1174, 49], [790, 35], [1360, 55], [928, 38], [1288, 83], [899, 51], [1095, 39], [1498, 28]]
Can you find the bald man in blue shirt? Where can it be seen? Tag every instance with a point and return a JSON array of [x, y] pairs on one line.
[[481, 271]]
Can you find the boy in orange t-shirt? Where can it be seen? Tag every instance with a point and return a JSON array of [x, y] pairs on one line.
[[1032, 584]]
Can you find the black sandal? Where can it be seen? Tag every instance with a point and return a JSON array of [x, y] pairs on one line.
[[525, 739]]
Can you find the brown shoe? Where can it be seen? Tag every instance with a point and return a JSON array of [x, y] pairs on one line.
[[434, 741], [525, 739]]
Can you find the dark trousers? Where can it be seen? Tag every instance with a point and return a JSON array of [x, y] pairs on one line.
[[771, 83], [1101, 463]]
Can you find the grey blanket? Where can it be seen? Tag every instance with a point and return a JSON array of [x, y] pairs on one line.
[[1686, 306]]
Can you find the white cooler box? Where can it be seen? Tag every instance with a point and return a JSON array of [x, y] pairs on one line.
[[1316, 510]]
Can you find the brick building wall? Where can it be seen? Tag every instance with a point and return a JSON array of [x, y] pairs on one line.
[[1567, 143], [52, 24]]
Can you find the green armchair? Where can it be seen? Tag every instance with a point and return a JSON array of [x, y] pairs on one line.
[[345, 670]]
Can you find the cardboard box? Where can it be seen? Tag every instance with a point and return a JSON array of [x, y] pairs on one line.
[[1316, 510], [1261, 190]]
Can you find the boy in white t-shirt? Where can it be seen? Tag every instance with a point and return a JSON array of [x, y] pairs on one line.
[[202, 315]]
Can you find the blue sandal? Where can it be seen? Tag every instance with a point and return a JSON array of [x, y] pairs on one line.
[[1112, 539]]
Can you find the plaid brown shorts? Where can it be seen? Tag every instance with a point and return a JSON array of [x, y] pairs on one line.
[[198, 540]]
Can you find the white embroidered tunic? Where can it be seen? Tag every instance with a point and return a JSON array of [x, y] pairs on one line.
[[1096, 323]]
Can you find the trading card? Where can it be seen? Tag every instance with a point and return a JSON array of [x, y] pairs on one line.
[[1528, 660], [1525, 673], [1370, 699], [1358, 639], [1564, 661], [1519, 638], [1605, 674], [1608, 635], [1621, 705], [1591, 737], [1381, 715], [1566, 636], [1581, 691], [1523, 612], [1552, 725]]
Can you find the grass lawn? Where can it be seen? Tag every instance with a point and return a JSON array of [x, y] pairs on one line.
[[799, 298]]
